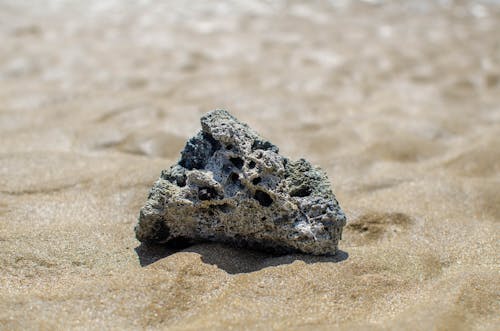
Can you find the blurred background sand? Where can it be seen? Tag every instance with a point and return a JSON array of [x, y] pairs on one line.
[[398, 101]]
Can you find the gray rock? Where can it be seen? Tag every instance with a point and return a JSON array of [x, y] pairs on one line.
[[231, 185]]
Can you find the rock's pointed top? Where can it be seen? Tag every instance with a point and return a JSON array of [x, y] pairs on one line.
[[227, 129]]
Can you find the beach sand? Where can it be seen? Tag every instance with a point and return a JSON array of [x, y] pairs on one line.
[[398, 101]]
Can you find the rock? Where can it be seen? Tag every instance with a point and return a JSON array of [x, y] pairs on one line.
[[231, 185]]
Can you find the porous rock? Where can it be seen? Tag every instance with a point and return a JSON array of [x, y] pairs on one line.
[[231, 185]]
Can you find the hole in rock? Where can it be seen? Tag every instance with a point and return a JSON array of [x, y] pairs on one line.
[[251, 165], [238, 162], [301, 192], [263, 198], [234, 177], [207, 193], [229, 147], [181, 181], [225, 208], [256, 180]]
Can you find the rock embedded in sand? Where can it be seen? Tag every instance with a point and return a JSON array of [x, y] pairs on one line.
[[231, 185]]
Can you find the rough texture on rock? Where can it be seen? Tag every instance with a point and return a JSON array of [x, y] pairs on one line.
[[231, 185]]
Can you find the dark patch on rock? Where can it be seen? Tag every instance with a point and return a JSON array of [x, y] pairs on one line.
[[263, 198], [238, 162], [198, 149], [207, 193]]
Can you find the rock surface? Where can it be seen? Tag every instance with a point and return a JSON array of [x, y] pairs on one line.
[[233, 186]]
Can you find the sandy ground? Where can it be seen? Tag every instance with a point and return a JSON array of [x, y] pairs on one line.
[[398, 102]]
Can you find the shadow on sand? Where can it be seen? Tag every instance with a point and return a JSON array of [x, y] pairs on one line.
[[230, 259]]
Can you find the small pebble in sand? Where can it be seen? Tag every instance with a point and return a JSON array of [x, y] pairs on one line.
[[232, 186]]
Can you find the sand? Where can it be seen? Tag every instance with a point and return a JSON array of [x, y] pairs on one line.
[[398, 102]]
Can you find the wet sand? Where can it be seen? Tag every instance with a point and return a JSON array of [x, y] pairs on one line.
[[398, 102]]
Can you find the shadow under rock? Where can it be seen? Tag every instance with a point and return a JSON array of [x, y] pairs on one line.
[[230, 259], [150, 253]]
